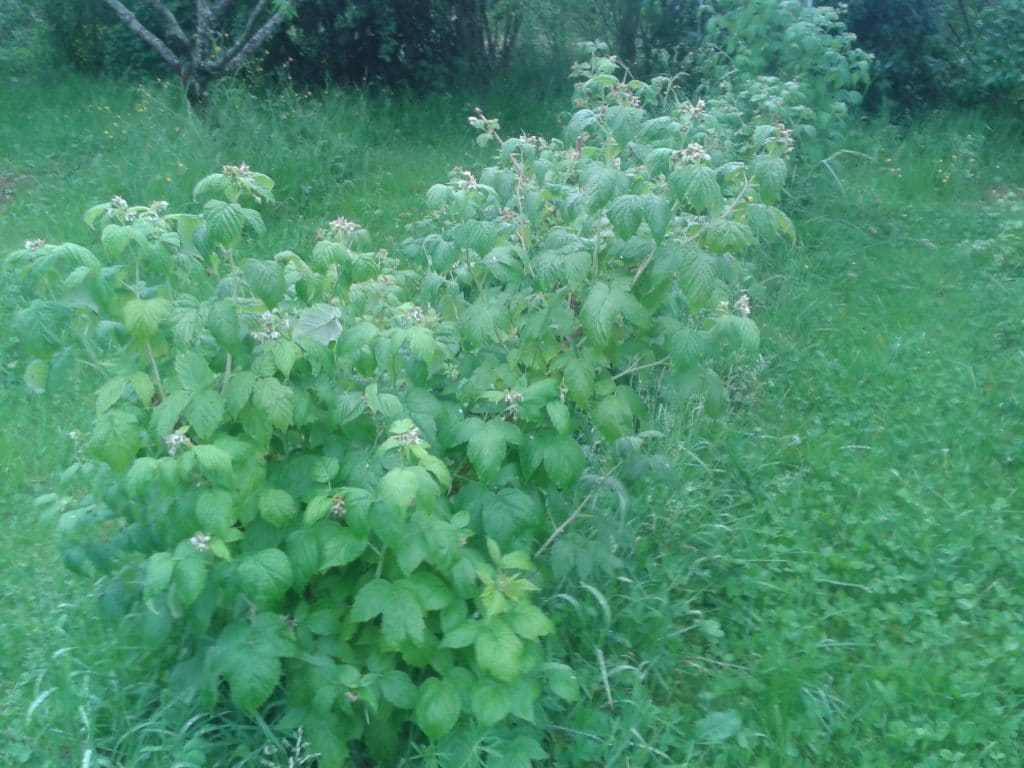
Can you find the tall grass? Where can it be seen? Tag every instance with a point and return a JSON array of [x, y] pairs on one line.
[[828, 576]]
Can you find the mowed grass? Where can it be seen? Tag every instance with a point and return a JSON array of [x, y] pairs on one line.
[[829, 576]]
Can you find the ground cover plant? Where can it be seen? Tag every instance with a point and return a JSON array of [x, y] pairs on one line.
[[825, 576]]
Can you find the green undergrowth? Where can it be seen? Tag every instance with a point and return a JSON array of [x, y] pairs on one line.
[[829, 576], [834, 578]]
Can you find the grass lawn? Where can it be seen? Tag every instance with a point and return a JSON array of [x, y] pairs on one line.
[[832, 575]]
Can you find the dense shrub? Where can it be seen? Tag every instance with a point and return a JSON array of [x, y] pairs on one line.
[[966, 52], [330, 485]]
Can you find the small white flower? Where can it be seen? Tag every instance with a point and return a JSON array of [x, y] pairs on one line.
[[200, 541], [118, 202], [34, 245], [742, 305]]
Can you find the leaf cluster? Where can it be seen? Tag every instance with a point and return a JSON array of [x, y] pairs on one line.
[[325, 480]]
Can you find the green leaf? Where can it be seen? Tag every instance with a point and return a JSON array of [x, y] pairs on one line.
[[115, 238], [215, 511], [400, 486], [499, 651], [142, 317], [490, 703], [438, 706], [770, 173], [581, 122], [143, 386], [222, 322], [159, 569], [193, 371], [303, 550], [520, 751], [561, 418], [277, 507], [479, 235], [727, 235], [530, 622], [284, 353], [398, 689], [579, 380], [266, 575], [371, 600], [461, 636], [697, 185], [320, 324], [698, 278], [224, 222], [625, 214], [205, 412], [600, 185], [624, 122], [115, 439], [274, 400], [658, 214], [340, 546], [481, 321], [189, 578], [603, 308], [266, 279], [215, 462], [562, 681], [238, 391], [488, 447], [563, 460], [741, 333], [717, 727], [614, 417]]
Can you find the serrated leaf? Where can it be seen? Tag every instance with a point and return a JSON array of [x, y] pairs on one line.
[[398, 689], [266, 575], [320, 323], [490, 703], [370, 600], [115, 439], [159, 569], [205, 413], [303, 549], [399, 487], [108, 395], [215, 462], [529, 622], [193, 371], [561, 418], [479, 235], [584, 120], [625, 214], [600, 185], [266, 279], [499, 651], [741, 333], [438, 706], [222, 322], [277, 507], [143, 386], [142, 317], [562, 681], [481, 320], [461, 636], [340, 546], [697, 278], [189, 578], [274, 400], [224, 222], [727, 235], [238, 391], [770, 173], [658, 215], [624, 122], [285, 354], [487, 449], [614, 417], [563, 460], [697, 186], [215, 511], [251, 683]]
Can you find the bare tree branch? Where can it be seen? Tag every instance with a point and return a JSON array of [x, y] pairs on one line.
[[204, 20], [139, 29], [247, 44], [219, 7], [170, 23]]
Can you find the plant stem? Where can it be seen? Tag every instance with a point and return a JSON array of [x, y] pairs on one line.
[[560, 529]]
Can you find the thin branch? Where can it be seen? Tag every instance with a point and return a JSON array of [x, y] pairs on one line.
[[248, 41], [560, 529], [139, 29], [204, 21], [170, 22]]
